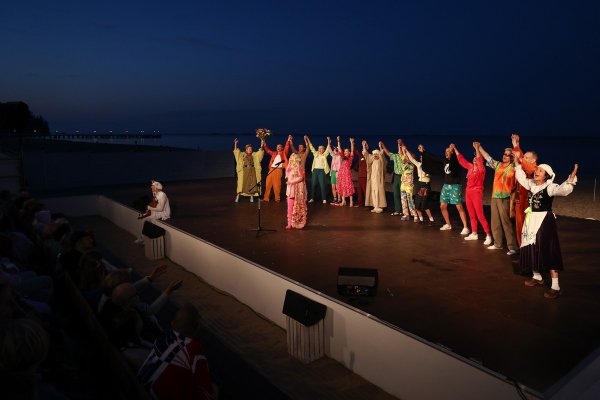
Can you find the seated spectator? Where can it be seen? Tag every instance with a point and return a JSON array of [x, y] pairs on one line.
[[24, 346], [177, 367], [38, 289], [116, 277], [127, 320], [80, 241], [52, 244], [91, 275]]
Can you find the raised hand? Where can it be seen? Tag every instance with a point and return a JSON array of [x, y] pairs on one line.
[[173, 286], [476, 145], [574, 173], [421, 148], [514, 139], [338, 139], [157, 271]]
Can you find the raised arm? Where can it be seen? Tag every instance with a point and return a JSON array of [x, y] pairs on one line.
[[235, 144], [310, 145], [484, 153], [520, 174], [411, 158], [383, 148], [461, 159], [352, 145], [515, 143], [291, 141]]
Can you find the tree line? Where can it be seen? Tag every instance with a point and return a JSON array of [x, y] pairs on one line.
[[15, 117]]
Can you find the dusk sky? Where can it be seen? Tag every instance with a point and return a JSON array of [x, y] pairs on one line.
[[325, 67]]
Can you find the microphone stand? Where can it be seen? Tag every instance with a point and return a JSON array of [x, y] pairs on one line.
[[260, 229]]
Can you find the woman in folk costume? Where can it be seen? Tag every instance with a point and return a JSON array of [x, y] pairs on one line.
[[345, 183], [540, 248], [296, 193], [376, 165], [248, 170]]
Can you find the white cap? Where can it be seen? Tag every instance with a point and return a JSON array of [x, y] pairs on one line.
[[549, 170], [157, 185]]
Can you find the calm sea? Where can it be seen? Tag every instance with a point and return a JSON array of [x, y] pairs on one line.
[[561, 152]]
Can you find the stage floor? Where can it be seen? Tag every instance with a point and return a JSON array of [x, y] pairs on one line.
[[434, 284]]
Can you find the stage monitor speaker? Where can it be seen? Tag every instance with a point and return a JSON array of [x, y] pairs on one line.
[[152, 231], [357, 281], [302, 309]]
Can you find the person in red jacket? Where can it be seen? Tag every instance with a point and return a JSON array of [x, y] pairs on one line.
[[474, 193], [177, 367], [277, 163], [529, 165]]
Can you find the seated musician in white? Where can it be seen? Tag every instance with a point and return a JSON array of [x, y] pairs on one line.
[[159, 208]]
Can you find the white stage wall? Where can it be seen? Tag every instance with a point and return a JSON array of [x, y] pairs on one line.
[[396, 361]]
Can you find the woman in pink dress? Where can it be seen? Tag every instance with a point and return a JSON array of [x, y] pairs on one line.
[[296, 193], [345, 185]]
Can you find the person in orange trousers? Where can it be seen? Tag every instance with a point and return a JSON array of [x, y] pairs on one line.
[[277, 163]]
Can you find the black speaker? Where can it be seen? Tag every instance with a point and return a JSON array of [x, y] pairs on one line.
[[302, 309], [357, 281], [152, 231]]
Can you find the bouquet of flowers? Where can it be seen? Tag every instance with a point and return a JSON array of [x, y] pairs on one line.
[[262, 133]]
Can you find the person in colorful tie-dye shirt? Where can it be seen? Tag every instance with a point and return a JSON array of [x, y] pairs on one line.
[[504, 185]]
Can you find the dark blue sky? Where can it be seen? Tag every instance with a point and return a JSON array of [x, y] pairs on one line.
[[325, 67]]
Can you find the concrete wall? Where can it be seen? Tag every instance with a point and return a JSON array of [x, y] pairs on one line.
[[396, 361], [66, 170]]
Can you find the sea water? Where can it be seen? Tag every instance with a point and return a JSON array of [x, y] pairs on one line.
[[561, 152]]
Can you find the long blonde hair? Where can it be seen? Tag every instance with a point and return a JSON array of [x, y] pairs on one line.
[[294, 163]]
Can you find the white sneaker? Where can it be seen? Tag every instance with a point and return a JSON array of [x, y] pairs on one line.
[[237, 198], [472, 236], [493, 247], [311, 201], [465, 231], [511, 252], [139, 240], [446, 227], [488, 240]]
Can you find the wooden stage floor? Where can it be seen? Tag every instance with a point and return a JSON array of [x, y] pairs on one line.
[[434, 284]]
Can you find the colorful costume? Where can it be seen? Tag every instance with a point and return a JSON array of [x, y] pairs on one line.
[[248, 171], [474, 192], [540, 248], [375, 197], [277, 164], [345, 184], [296, 196]]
